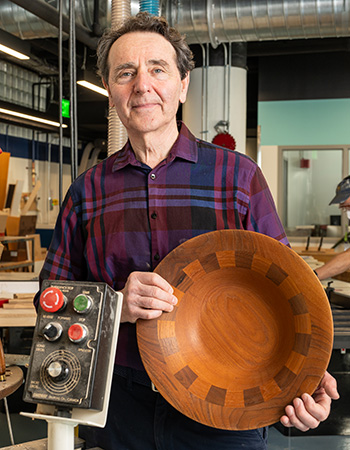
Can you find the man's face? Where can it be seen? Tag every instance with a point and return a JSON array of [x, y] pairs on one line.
[[345, 205], [144, 82]]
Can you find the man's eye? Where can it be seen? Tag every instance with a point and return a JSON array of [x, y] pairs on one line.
[[158, 70]]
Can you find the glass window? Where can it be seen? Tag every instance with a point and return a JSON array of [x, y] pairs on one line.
[[310, 177]]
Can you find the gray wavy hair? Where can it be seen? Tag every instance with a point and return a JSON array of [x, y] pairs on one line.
[[145, 22]]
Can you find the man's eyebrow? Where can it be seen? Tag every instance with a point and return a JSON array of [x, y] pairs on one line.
[[127, 65], [156, 62]]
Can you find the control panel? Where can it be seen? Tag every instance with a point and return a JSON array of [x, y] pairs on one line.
[[72, 344]]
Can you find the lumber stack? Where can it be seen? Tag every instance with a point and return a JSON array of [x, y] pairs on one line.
[[17, 310]]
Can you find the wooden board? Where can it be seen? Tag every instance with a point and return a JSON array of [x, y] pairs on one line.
[[17, 318], [31, 198], [18, 305], [23, 295], [18, 277], [15, 265], [23, 311], [324, 255], [38, 255], [16, 199], [4, 167], [3, 221], [21, 225]]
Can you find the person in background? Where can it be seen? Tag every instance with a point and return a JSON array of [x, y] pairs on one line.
[[341, 262], [123, 216]]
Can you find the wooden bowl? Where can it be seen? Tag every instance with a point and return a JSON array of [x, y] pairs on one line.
[[251, 331]]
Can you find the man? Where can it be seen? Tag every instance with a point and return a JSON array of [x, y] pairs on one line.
[[123, 216], [341, 262]]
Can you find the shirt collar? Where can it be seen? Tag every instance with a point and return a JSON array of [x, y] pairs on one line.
[[185, 147]]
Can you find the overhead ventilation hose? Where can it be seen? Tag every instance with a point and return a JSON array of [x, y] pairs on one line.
[[117, 135], [151, 6]]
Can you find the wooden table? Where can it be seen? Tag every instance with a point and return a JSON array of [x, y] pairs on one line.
[[13, 264], [14, 379]]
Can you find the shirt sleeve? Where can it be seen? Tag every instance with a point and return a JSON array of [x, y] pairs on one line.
[[65, 257], [262, 215]]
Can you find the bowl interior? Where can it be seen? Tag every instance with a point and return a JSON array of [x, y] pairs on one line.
[[236, 324]]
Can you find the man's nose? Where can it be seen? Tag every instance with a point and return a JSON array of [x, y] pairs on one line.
[[142, 82]]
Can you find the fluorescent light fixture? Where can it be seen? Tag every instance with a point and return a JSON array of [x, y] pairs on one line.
[[93, 87], [33, 118], [12, 52]]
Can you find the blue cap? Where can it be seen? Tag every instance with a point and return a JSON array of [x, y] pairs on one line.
[[342, 192]]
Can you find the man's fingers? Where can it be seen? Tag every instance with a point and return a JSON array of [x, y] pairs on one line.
[[146, 296]]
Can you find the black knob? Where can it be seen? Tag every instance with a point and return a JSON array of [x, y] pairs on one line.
[[58, 370], [52, 331]]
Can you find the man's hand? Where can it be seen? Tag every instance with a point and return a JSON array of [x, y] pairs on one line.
[[146, 296], [307, 412]]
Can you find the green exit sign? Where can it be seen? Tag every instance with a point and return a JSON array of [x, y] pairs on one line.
[[65, 108]]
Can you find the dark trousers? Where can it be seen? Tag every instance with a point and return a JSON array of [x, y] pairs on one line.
[[140, 419]]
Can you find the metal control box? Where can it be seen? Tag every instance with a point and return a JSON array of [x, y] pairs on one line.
[[72, 344]]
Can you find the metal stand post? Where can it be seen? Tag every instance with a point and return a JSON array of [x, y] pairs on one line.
[[60, 435]]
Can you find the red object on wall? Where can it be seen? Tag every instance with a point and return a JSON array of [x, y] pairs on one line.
[[304, 163], [224, 140]]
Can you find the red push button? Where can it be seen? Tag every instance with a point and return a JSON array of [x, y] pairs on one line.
[[77, 332], [52, 300]]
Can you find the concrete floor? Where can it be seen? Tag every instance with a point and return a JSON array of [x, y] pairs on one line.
[[277, 441]]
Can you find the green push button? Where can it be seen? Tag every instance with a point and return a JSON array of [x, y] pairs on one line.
[[82, 303]]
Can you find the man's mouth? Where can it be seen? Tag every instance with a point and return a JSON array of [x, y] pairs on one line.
[[144, 105]]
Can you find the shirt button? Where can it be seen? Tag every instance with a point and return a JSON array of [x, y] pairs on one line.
[[156, 256], [153, 176], [154, 215]]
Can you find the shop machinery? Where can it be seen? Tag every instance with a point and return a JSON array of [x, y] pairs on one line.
[[72, 357]]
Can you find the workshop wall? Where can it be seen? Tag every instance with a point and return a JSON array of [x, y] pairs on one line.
[[303, 100]]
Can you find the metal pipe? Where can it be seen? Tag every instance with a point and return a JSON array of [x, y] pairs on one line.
[[8, 417], [203, 111], [96, 25], [258, 20], [48, 177], [60, 97], [203, 21], [225, 102], [229, 85], [207, 65], [50, 15], [60, 435], [73, 92]]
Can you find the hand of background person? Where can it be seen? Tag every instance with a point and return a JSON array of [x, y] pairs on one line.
[[146, 296], [308, 411]]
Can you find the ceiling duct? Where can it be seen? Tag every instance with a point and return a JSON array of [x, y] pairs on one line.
[[218, 21], [37, 19]]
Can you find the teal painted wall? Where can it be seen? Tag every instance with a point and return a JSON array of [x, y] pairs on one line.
[[305, 122]]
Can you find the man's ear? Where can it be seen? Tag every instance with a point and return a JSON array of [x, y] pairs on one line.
[[110, 101], [184, 88]]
